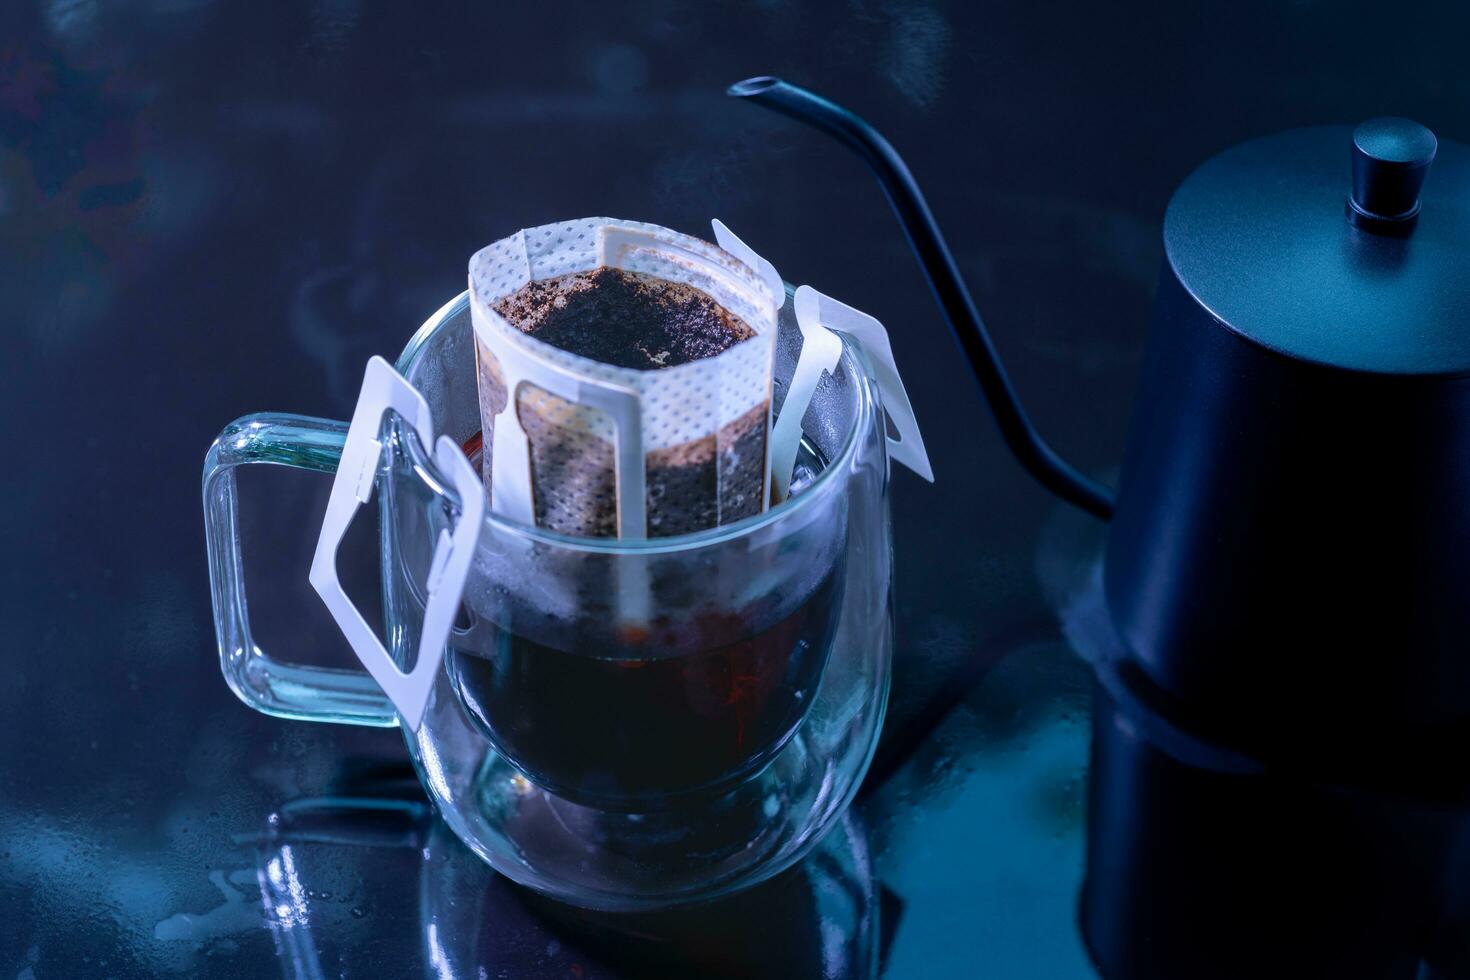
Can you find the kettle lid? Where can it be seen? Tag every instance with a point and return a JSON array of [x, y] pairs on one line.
[[1344, 247]]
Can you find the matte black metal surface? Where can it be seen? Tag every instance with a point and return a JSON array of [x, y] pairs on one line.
[[1258, 235], [1292, 536], [1291, 540], [1391, 158]]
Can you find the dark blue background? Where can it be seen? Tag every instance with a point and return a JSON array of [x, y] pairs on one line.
[[211, 208]]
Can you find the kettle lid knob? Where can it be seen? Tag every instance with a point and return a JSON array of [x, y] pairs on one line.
[[1391, 157]]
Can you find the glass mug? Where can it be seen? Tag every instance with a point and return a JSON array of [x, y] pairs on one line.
[[609, 765]]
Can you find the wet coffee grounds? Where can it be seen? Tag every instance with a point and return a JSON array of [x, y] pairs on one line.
[[625, 319]]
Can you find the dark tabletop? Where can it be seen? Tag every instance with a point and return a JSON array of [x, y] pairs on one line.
[[208, 209]]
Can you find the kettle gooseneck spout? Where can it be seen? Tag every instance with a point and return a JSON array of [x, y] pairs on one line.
[[934, 257]]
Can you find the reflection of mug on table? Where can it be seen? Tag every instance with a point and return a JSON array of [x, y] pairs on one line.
[[821, 918]]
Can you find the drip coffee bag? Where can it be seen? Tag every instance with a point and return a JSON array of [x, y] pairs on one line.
[[625, 379]]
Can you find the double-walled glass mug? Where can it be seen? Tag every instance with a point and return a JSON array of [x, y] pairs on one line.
[[621, 724]]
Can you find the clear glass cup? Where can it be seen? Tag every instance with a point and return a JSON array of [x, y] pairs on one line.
[[608, 765]]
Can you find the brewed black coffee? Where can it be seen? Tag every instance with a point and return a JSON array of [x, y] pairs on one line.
[[695, 705], [635, 718]]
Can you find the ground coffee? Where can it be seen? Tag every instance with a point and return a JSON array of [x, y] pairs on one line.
[[626, 319]]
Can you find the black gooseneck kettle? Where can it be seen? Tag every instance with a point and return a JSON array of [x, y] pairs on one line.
[[1289, 551]]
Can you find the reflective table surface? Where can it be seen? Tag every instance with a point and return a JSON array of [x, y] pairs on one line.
[[210, 208]]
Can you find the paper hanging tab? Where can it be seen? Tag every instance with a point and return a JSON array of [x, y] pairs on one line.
[[817, 310]]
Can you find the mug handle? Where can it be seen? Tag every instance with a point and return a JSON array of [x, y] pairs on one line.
[[261, 681]]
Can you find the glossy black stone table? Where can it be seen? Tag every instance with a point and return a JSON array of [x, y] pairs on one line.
[[210, 208]]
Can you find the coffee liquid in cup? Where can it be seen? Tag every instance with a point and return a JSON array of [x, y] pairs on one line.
[[636, 721]]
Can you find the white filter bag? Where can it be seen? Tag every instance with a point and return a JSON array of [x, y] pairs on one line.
[[600, 450]]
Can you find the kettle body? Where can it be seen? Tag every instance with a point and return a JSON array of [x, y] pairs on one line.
[[1290, 550]]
